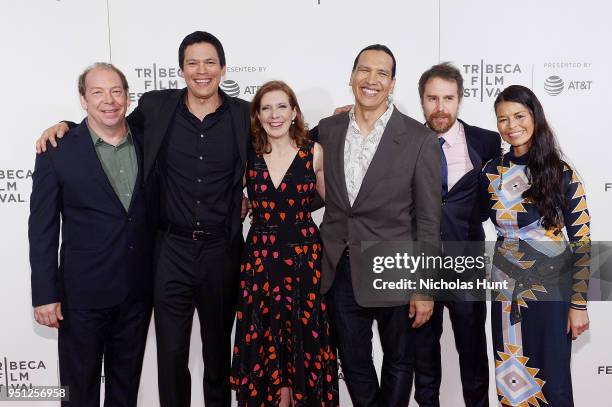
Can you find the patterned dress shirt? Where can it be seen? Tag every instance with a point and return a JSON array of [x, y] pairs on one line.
[[359, 151]]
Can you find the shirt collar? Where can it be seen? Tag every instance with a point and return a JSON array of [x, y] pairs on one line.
[[451, 137], [381, 121], [224, 101], [97, 140]]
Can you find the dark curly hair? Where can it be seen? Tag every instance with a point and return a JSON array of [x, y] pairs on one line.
[[544, 163], [298, 131]]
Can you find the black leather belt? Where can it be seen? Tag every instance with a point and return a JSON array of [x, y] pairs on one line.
[[206, 233]]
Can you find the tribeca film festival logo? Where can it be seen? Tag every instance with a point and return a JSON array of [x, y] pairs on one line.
[[11, 184], [604, 370], [155, 77], [20, 374], [487, 80], [575, 78]]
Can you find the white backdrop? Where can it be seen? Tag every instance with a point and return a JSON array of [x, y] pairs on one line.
[[310, 44]]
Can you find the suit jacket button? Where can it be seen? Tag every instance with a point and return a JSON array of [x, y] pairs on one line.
[[129, 219], [131, 247]]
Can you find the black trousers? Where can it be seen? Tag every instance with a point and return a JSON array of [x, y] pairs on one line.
[[468, 320], [352, 326], [118, 334], [192, 275]]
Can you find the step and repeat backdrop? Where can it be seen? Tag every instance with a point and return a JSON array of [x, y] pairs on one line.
[[560, 49]]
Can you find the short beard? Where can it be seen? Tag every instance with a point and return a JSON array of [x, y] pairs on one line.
[[438, 129]]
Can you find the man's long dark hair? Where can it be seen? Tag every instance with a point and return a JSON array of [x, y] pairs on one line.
[[544, 163]]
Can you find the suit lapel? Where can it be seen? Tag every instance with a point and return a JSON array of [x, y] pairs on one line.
[[139, 175], [471, 142], [241, 136], [88, 152], [158, 130], [383, 157], [338, 139]]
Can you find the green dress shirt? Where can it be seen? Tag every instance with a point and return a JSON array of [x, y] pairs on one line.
[[119, 163]]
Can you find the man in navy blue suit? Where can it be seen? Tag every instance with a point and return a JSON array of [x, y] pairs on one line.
[[99, 295], [465, 149]]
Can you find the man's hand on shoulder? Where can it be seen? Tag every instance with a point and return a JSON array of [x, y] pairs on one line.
[[49, 314], [51, 134], [342, 109]]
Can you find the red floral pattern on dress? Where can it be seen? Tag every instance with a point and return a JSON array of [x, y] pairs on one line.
[[282, 329]]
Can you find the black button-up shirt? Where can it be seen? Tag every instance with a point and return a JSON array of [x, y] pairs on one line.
[[197, 163]]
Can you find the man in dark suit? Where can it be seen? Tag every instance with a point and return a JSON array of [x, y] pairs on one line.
[[464, 149], [195, 151], [100, 294], [382, 172]]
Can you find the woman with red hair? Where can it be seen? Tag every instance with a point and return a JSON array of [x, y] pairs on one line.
[[282, 350]]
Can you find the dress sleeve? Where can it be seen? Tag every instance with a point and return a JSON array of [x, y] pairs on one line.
[[578, 226]]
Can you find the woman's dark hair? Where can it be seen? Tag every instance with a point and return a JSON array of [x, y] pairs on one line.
[[544, 164], [298, 131]]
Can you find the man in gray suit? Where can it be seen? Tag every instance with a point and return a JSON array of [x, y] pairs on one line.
[[382, 181]]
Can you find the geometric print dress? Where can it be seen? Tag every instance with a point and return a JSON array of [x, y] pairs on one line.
[[547, 273], [282, 334]]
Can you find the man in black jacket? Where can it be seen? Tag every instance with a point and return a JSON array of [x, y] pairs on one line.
[[464, 149], [195, 150]]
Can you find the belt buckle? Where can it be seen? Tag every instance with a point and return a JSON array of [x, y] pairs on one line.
[[198, 235]]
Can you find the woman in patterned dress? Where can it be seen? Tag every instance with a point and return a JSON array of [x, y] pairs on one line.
[[533, 196], [282, 350]]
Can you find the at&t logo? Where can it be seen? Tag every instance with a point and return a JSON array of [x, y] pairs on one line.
[[230, 87], [554, 85], [233, 89]]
